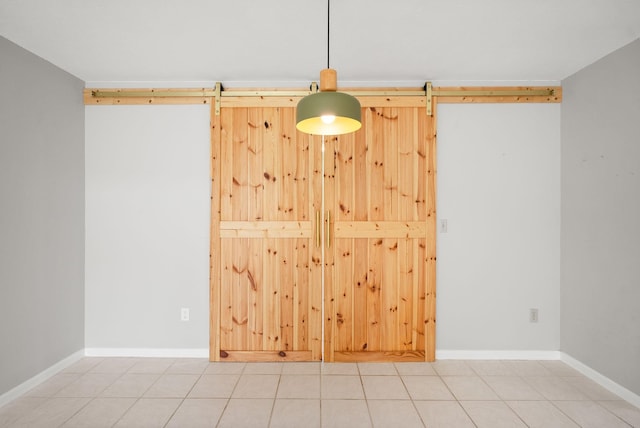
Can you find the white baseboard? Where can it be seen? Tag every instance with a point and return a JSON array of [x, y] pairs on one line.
[[25, 386], [445, 354], [148, 352], [602, 380]]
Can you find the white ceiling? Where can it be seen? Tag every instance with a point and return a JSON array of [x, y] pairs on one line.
[[285, 41]]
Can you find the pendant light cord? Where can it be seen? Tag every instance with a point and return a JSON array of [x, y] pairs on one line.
[[328, 30]]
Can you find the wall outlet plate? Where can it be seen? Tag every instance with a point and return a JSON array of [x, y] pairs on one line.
[[184, 314], [533, 315]]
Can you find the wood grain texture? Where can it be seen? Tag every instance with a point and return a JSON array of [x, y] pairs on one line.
[[387, 356], [384, 201], [378, 246]]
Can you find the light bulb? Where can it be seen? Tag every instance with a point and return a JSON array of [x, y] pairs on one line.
[[328, 118]]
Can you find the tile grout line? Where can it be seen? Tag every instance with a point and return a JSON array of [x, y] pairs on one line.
[[226, 405], [185, 396]]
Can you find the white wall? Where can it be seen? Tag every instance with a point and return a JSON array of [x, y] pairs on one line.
[[499, 189], [41, 215], [148, 230], [601, 216], [147, 226]]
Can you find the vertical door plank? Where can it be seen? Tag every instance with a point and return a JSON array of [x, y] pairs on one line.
[[226, 213], [256, 295], [316, 297], [359, 281], [255, 213], [389, 286], [376, 191], [329, 246], [407, 302], [430, 331], [343, 210], [214, 251], [240, 205], [271, 314], [286, 173]]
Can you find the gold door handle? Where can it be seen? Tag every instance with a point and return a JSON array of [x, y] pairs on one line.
[[318, 229], [328, 229]]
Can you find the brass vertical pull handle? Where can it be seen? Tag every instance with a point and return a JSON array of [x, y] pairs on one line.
[[328, 229], [318, 229]]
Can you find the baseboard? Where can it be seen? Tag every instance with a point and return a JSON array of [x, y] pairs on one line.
[[602, 380], [25, 386], [148, 352], [445, 354]]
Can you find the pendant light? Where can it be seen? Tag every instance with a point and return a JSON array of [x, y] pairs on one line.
[[328, 112]]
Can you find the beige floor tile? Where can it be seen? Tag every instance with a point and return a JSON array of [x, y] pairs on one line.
[[198, 413], [590, 388], [256, 386], [225, 368], [114, 365], [88, 385], [214, 386], [263, 368], [492, 414], [625, 411], [384, 388], [589, 414], [469, 388], [53, 385], [490, 368], [172, 386], [100, 412], [294, 413], [151, 365], [377, 369], [558, 368], [415, 369], [247, 413], [299, 386], [345, 413], [346, 369], [555, 388], [18, 408], [130, 385], [341, 387], [394, 413], [427, 388], [443, 414], [452, 368], [83, 365], [541, 414], [310, 368], [512, 388], [149, 413], [188, 366], [52, 413], [528, 368]]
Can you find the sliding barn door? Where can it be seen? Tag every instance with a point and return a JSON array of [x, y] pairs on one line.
[[278, 212], [265, 269], [380, 198]]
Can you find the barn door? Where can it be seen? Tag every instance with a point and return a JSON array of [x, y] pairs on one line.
[[281, 205], [265, 269], [380, 279]]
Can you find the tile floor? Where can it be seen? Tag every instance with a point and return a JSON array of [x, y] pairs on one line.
[[155, 392]]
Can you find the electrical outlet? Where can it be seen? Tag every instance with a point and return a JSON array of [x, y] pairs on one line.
[[533, 315], [443, 225], [184, 314]]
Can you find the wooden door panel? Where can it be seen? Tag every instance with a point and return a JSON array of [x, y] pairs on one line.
[[268, 190], [265, 236], [378, 184]]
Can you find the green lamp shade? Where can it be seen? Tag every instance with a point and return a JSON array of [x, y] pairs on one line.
[[328, 113]]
